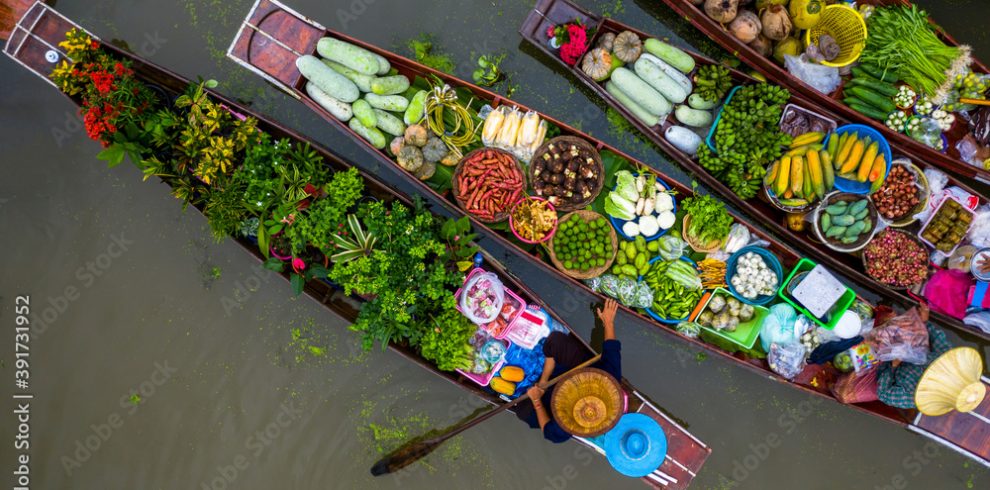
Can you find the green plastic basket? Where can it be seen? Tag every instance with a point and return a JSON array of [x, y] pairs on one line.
[[746, 333], [843, 304]]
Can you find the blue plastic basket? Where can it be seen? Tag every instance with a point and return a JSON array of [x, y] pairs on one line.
[[649, 311], [617, 223], [852, 186], [772, 261], [710, 139]]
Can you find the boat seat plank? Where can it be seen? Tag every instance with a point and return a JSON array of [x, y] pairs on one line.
[[276, 58], [962, 429]]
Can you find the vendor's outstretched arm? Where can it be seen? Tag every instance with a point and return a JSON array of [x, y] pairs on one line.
[[535, 395], [548, 365], [607, 315]]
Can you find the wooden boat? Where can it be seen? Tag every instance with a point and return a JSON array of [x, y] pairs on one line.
[[948, 161], [686, 453], [272, 33], [849, 265]]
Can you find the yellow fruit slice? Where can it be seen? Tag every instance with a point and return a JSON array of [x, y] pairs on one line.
[[780, 185], [867, 163], [797, 175]]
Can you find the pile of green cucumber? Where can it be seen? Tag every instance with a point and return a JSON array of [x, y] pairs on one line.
[[870, 92]]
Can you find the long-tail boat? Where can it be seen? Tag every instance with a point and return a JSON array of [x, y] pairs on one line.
[[273, 35], [850, 265], [948, 160], [34, 43]]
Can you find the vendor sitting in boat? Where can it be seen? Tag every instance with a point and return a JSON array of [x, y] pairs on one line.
[[897, 381], [563, 352]]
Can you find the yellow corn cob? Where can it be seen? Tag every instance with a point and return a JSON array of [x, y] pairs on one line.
[[797, 175], [492, 125], [527, 129], [510, 128], [816, 172]]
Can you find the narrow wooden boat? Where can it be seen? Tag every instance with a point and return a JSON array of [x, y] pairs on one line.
[[849, 265], [37, 50], [948, 161], [272, 33]]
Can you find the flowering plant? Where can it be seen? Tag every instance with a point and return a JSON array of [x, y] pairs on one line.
[[112, 97], [572, 38]]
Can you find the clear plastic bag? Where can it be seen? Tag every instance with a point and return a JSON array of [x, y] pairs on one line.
[[779, 326], [689, 329], [903, 337], [824, 79], [980, 320], [482, 298], [926, 131], [671, 247], [787, 360], [739, 237], [627, 291], [979, 230]]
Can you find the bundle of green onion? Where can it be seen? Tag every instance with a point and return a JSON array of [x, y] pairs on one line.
[[902, 41]]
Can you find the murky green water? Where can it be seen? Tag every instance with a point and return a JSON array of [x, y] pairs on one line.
[[169, 361]]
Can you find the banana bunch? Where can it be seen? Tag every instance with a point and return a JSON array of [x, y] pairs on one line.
[[804, 174], [511, 130]]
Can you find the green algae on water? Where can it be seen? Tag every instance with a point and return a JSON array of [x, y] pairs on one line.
[[425, 52]]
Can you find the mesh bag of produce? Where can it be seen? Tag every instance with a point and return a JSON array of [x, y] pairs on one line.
[[482, 297], [787, 360], [903, 337], [671, 247]]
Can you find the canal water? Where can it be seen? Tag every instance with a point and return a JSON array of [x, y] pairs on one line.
[[164, 360]]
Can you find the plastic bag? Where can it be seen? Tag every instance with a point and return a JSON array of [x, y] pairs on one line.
[[946, 292], [856, 388], [779, 326], [824, 79], [979, 229], [902, 337], [738, 238], [629, 292], [689, 329], [671, 247], [926, 131], [980, 320], [787, 360], [482, 298]]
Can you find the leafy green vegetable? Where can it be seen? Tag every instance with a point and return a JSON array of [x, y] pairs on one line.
[[710, 220]]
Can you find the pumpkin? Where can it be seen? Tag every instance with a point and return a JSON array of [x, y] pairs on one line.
[[502, 386], [597, 64], [512, 373], [627, 46], [607, 41]]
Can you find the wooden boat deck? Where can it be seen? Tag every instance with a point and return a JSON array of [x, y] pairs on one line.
[[533, 30], [777, 73], [963, 432], [686, 453]]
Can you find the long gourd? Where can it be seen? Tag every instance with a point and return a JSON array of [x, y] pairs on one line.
[[671, 72], [362, 81], [677, 58], [655, 76], [394, 103], [365, 113], [373, 135], [340, 110], [349, 55], [383, 64], [330, 82], [395, 84], [639, 112], [389, 123], [641, 92]]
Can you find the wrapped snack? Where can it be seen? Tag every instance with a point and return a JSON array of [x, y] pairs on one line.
[[482, 298], [903, 337]]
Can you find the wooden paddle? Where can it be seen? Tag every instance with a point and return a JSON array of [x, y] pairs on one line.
[[10, 12], [964, 100], [415, 450]]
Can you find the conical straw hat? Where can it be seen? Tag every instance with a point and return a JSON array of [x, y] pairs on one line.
[[587, 403], [951, 382]]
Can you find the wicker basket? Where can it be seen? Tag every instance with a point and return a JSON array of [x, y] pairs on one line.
[[562, 205], [697, 247], [911, 237], [593, 272], [498, 217]]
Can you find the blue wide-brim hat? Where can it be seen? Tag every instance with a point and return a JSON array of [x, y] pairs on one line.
[[636, 446]]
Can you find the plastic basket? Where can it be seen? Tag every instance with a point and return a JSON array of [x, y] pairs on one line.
[[746, 333], [710, 139], [772, 262], [846, 26], [510, 298], [618, 223], [649, 311], [840, 307], [861, 131]]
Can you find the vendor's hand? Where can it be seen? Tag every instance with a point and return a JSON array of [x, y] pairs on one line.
[[923, 311], [535, 393], [983, 265], [607, 312], [895, 362]]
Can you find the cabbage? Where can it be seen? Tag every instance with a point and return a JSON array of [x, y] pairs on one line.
[[618, 207], [648, 225], [626, 185], [631, 229]]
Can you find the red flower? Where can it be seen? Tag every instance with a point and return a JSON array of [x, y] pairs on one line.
[[550, 32], [103, 81], [94, 44], [576, 44]]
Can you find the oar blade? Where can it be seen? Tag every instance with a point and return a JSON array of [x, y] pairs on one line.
[[404, 456]]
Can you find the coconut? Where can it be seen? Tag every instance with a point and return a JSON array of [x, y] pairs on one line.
[[722, 11], [762, 45], [776, 23], [746, 26]]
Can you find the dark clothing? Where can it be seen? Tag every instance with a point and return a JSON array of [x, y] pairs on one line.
[[568, 352]]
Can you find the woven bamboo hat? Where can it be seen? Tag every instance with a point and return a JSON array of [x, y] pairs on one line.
[[587, 403], [951, 382]]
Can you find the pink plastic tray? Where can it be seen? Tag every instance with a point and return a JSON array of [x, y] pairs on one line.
[[932, 216], [511, 298], [484, 378]]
